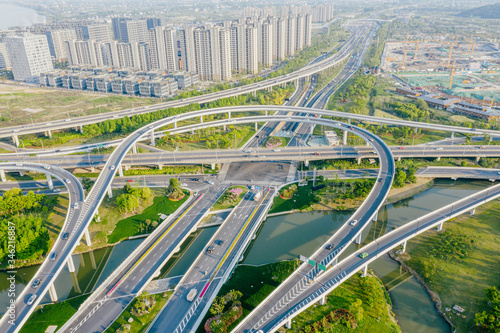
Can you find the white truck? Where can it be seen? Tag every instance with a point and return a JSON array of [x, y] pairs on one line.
[[257, 196], [192, 294]]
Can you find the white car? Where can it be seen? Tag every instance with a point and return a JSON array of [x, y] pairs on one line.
[[439, 148], [47, 167], [68, 181], [112, 167], [67, 119], [19, 164], [277, 150], [184, 184], [31, 299], [353, 222]]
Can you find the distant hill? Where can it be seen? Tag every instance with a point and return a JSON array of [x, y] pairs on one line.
[[486, 12]]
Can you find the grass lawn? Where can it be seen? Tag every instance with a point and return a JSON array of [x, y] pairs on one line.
[[462, 281], [131, 225], [140, 324], [52, 314], [375, 314], [417, 139], [301, 199], [255, 283], [224, 202]]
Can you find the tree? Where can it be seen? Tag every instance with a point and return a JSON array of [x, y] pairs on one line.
[[421, 104], [489, 321], [400, 179], [357, 310], [217, 306]]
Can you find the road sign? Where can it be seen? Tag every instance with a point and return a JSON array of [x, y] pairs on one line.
[[311, 262], [323, 268]]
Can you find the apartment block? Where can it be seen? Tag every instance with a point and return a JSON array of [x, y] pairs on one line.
[[56, 39], [29, 56]]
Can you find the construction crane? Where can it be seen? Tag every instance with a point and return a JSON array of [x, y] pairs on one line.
[[404, 58], [449, 56], [416, 50], [451, 75], [470, 43], [472, 51]]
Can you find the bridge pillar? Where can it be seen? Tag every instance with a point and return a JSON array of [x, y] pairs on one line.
[[288, 323], [71, 264], [404, 246], [15, 139], [134, 149], [375, 216], [21, 173], [49, 180], [368, 143], [335, 261], [256, 128], [160, 166], [398, 159], [322, 300], [92, 260], [478, 158], [365, 271], [348, 120], [49, 134], [438, 158], [120, 170], [92, 169], [126, 167], [358, 239], [473, 211], [229, 115], [87, 237], [266, 113], [76, 285], [306, 163], [416, 130], [344, 138], [452, 135], [254, 93], [81, 128], [359, 160], [297, 82], [224, 127], [2, 175], [440, 226], [269, 89], [201, 119], [213, 166], [52, 293], [175, 124], [110, 192], [152, 138]]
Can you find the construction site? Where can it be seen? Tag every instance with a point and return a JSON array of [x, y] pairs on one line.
[[468, 68]]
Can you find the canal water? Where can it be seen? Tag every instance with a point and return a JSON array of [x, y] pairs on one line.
[[12, 15], [282, 238]]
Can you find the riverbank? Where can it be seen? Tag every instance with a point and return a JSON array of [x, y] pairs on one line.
[[459, 280]]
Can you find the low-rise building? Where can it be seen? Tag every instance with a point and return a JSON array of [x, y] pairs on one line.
[[331, 138], [476, 111], [103, 83], [439, 102], [408, 92]]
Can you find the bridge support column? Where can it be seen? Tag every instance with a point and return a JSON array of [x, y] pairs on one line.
[[87, 237], [473, 211], [92, 260], [306, 163], [398, 159], [201, 119], [126, 167], [15, 139], [76, 285], [213, 166], [134, 149], [175, 124], [478, 158], [288, 323], [358, 239], [452, 135], [269, 89], [344, 138], [224, 127], [160, 166], [229, 115], [365, 271], [71, 264], [110, 192], [375, 216], [359, 160], [81, 128], [152, 138], [404, 246], [254, 93], [322, 300], [2, 175], [52, 293], [92, 169], [49, 134], [256, 128], [367, 143], [266, 113], [440, 226], [438, 158], [49, 181], [335, 261], [21, 173], [416, 130], [120, 170], [297, 82]]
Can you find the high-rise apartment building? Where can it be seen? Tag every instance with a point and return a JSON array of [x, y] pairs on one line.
[[133, 31], [266, 44], [279, 38], [97, 32], [187, 48], [29, 55], [300, 34], [225, 52], [56, 39], [153, 22], [252, 55], [291, 35], [162, 49], [4, 56]]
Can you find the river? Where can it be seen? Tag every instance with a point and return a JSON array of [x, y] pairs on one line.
[[12, 15], [282, 238]]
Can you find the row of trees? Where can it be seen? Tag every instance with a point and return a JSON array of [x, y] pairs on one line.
[[405, 176], [13, 201], [133, 198], [411, 111]]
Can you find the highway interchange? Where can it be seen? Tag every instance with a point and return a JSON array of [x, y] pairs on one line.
[[306, 285]]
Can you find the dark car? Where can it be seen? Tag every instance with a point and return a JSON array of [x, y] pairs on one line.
[[210, 249], [36, 283], [380, 179], [329, 246], [53, 256], [65, 235], [220, 242]]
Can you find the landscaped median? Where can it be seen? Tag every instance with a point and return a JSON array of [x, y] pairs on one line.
[[231, 198]]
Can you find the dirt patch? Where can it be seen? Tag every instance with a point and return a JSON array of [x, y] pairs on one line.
[[397, 194]]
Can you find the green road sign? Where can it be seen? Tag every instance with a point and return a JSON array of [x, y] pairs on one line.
[[322, 267], [100, 146], [311, 262]]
